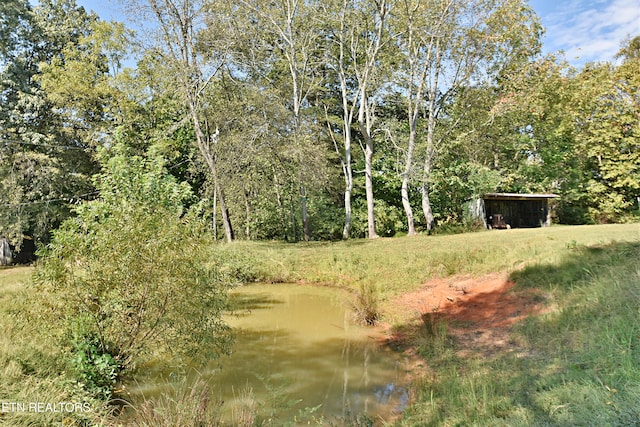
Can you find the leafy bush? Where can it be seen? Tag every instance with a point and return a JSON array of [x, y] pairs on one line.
[[137, 272], [96, 371]]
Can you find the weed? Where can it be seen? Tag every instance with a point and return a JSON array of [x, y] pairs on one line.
[[244, 408], [96, 370], [432, 322], [186, 405], [366, 306]]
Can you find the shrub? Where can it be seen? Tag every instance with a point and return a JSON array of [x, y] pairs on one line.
[[133, 276], [96, 370]]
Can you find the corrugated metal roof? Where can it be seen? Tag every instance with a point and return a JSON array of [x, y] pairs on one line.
[[518, 196]]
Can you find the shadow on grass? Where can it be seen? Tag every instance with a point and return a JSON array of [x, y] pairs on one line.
[[582, 263], [577, 364]]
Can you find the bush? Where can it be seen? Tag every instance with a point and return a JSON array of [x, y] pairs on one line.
[[133, 276], [96, 371]]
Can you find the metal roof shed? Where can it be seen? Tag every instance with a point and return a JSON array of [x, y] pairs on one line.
[[514, 210]]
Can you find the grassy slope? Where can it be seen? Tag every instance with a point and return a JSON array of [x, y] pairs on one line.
[[577, 365], [403, 264]]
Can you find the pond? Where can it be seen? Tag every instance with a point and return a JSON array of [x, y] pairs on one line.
[[298, 353]]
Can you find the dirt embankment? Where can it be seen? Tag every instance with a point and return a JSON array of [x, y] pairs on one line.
[[479, 312]]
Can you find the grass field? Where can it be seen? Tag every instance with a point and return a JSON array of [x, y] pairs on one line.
[[578, 363]]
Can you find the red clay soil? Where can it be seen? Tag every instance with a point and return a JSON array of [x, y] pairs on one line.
[[478, 311]]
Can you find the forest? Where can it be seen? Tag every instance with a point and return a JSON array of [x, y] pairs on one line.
[[301, 120]]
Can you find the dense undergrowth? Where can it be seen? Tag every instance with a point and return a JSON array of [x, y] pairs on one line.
[[576, 364]]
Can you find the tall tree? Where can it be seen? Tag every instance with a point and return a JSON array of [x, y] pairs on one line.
[[610, 133], [421, 27], [175, 40], [44, 162], [357, 32], [288, 33], [447, 45]]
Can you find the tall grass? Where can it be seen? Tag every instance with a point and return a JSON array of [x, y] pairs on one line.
[[366, 305], [31, 369], [185, 405], [579, 364]]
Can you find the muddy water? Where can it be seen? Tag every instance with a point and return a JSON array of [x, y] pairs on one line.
[[297, 348]]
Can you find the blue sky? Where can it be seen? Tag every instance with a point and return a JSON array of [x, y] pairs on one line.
[[586, 30]]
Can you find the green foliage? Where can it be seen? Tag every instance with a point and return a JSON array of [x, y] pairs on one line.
[[555, 129], [135, 272], [388, 219], [31, 366], [95, 370], [326, 218], [610, 145], [527, 124], [455, 182], [43, 163]]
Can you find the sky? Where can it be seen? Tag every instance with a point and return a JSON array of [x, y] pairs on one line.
[[585, 30]]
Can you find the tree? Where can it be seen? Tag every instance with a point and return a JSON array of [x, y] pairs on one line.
[[175, 40], [288, 30], [43, 163], [445, 47], [420, 30], [357, 33], [609, 128], [572, 133], [131, 277]]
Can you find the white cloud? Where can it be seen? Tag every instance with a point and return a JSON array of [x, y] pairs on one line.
[[591, 30]]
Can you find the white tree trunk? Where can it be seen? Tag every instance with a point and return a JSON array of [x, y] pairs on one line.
[[365, 122], [404, 190], [6, 255]]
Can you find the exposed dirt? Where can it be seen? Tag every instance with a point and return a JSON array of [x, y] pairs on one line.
[[479, 312]]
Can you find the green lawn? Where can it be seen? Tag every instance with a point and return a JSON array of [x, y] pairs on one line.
[[577, 364]]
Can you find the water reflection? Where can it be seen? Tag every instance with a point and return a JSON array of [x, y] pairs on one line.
[[297, 348]]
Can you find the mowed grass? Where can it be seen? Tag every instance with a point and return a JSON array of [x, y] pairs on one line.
[[576, 364], [398, 265]]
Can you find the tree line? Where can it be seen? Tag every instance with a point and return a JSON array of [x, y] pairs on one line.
[[301, 120]]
